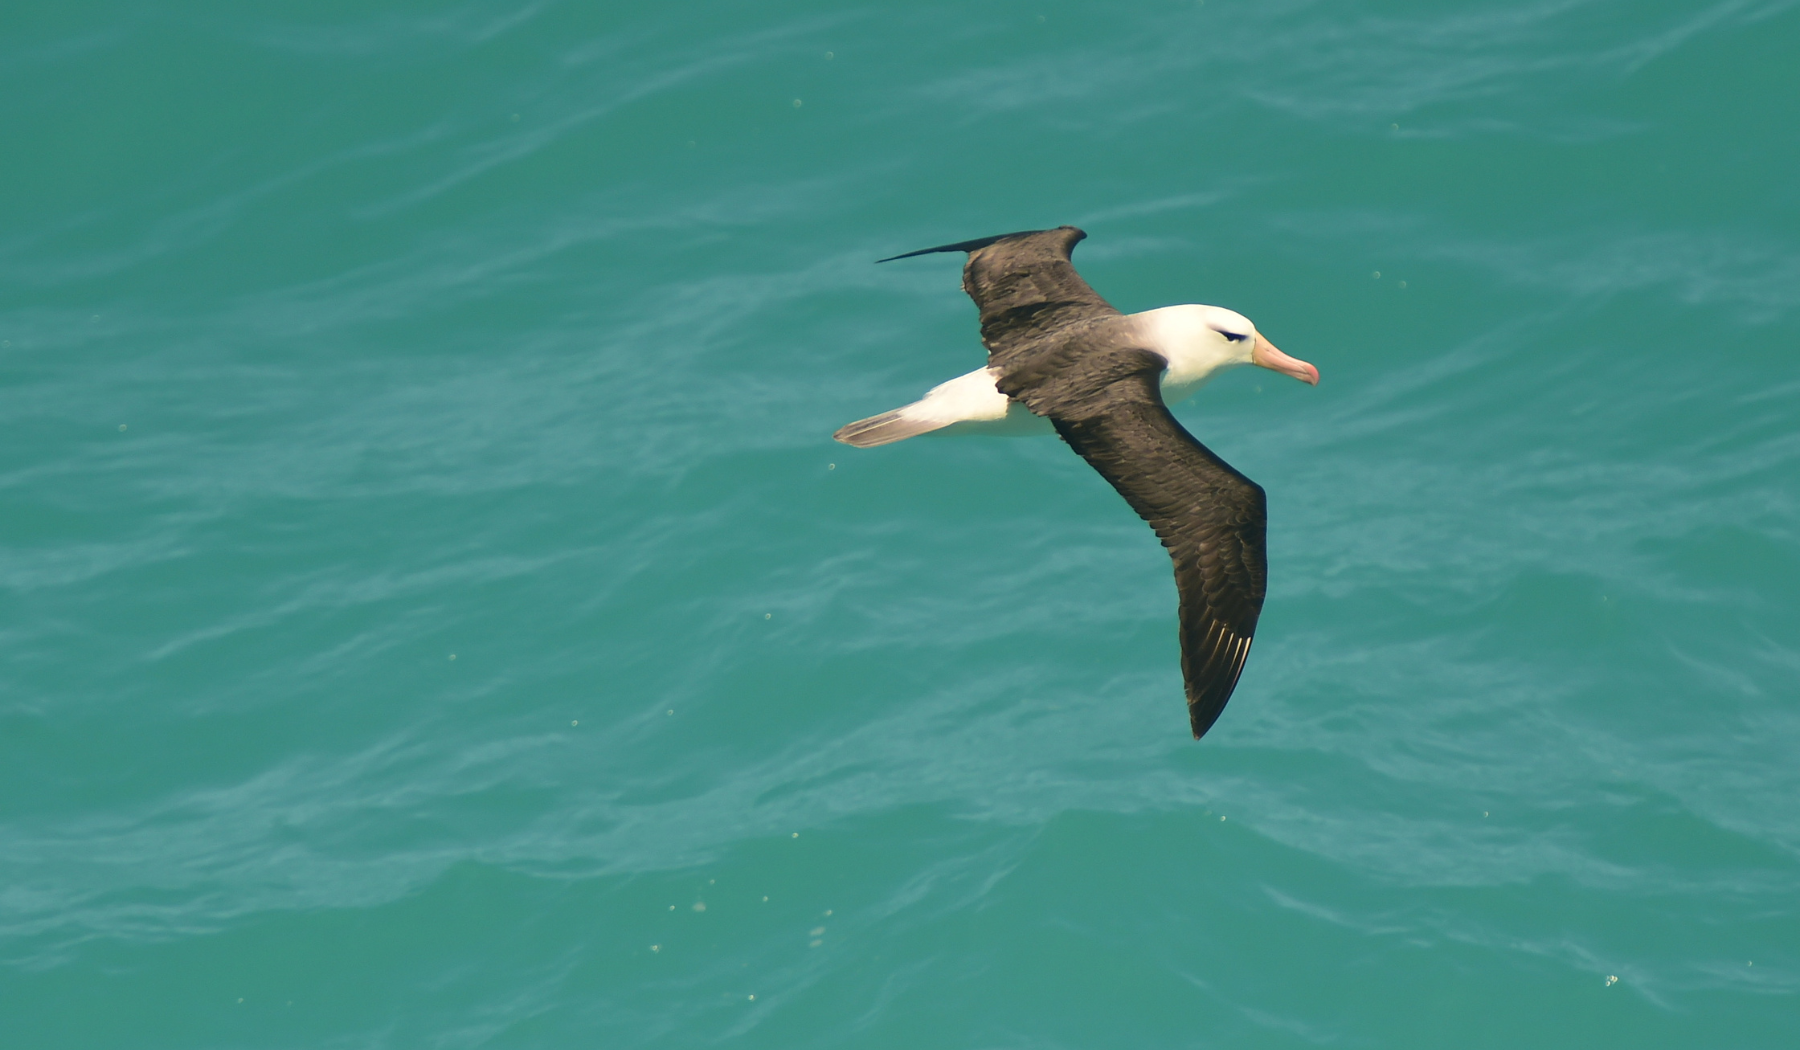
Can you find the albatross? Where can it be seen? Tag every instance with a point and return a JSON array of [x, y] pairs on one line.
[[1062, 358]]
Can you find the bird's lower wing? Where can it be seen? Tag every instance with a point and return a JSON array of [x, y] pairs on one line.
[[1212, 519]]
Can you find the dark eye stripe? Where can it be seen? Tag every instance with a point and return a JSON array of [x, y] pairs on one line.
[[1234, 337]]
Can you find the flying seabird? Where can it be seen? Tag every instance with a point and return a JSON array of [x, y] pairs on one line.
[[1061, 357]]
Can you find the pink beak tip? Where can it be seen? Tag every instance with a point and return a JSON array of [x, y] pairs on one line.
[[1273, 359]]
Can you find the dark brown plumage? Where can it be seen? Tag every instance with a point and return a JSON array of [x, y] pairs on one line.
[[1055, 347]]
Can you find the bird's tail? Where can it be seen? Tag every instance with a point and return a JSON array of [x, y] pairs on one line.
[[889, 427]]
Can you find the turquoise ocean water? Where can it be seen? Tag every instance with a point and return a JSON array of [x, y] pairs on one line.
[[436, 615]]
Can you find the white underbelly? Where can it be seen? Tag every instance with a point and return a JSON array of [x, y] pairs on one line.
[[976, 407], [1018, 422]]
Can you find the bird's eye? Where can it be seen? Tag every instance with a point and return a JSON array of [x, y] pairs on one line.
[[1234, 337]]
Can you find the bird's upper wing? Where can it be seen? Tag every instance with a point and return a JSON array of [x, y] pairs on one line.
[[1025, 286], [1106, 402]]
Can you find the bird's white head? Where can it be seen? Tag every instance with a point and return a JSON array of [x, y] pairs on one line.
[[1202, 341]]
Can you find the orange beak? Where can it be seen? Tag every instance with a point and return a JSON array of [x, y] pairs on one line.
[[1266, 356]]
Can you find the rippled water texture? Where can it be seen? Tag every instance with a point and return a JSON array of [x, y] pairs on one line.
[[436, 614]]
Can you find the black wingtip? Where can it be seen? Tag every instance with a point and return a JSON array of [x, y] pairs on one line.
[[969, 246]]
